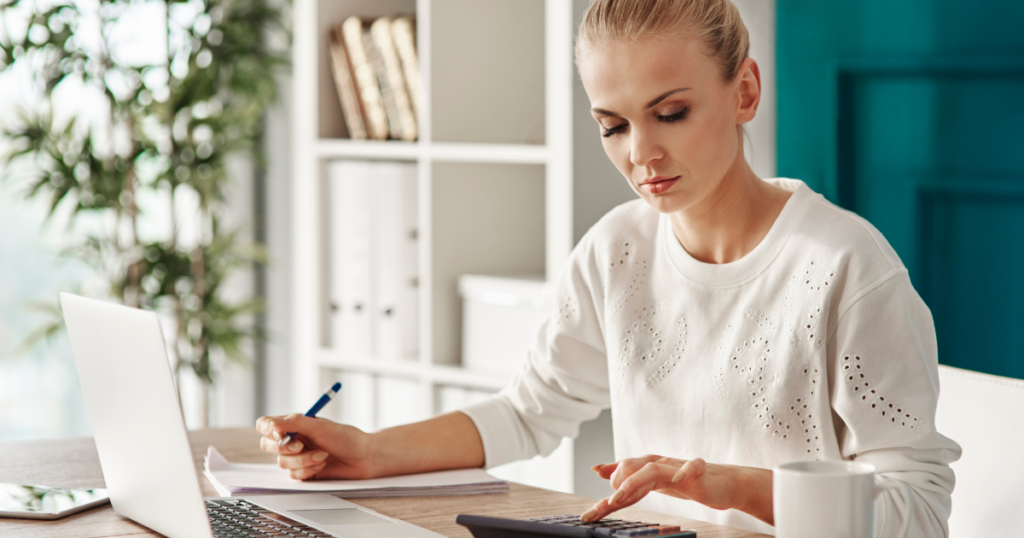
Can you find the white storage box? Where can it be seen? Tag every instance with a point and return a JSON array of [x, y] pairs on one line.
[[500, 320]]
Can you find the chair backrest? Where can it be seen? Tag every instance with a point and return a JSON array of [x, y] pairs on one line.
[[985, 415]]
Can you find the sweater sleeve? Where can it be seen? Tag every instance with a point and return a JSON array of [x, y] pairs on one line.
[[883, 367], [564, 381]]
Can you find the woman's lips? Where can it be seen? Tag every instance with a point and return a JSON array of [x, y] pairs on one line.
[[658, 185]]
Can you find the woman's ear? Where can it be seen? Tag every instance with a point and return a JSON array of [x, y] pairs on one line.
[[748, 91]]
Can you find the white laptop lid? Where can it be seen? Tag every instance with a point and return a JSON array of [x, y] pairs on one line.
[[135, 415]]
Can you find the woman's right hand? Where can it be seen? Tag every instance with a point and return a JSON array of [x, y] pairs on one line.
[[322, 449]]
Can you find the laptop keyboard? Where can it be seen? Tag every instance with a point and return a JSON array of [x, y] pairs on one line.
[[238, 518]]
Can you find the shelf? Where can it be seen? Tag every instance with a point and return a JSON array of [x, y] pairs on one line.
[[341, 148], [333, 148], [436, 374], [489, 153], [494, 187], [454, 375], [372, 365]]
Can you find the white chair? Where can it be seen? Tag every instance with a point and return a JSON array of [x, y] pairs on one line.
[[985, 415]]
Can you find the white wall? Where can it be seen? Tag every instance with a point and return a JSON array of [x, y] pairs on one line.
[[233, 399], [264, 387], [759, 15], [277, 370]]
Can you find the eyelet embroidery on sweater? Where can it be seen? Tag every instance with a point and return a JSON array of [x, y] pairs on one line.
[[567, 309], [681, 330], [643, 342], [724, 365], [890, 412], [638, 279], [817, 277], [812, 326], [747, 361], [787, 311], [816, 280], [761, 320], [800, 409]]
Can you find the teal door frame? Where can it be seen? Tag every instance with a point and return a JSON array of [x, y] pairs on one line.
[[844, 74], [938, 195]]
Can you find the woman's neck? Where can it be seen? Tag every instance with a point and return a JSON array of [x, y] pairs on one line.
[[732, 220]]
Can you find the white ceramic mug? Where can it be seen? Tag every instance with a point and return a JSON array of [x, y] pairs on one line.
[[834, 499]]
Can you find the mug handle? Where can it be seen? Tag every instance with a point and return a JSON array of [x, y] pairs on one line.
[[910, 502]]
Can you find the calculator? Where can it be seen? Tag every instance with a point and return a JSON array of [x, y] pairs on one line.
[[567, 525]]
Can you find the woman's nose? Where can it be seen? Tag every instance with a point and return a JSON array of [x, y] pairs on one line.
[[644, 148]]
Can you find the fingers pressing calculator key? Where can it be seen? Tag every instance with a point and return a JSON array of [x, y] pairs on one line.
[[567, 525]]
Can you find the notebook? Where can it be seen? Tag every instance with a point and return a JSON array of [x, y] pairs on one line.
[[232, 479], [144, 450]]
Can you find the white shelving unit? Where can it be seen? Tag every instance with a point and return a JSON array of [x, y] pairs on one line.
[[494, 162], [511, 174]]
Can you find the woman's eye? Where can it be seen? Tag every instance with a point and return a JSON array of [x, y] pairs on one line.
[[676, 116], [610, 131]]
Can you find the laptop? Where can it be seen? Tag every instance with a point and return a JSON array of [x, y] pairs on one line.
[[144, 450]]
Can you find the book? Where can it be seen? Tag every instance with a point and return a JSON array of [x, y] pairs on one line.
[[403, 30], [365, 79], [342, 70], [233, 479], [387, 94], [391, 69]]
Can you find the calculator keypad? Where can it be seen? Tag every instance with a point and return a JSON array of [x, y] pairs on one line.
[[615, 528]]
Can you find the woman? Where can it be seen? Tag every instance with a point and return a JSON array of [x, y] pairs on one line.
[[724, 318]]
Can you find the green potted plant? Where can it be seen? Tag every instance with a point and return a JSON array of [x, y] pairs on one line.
[[163, 140]]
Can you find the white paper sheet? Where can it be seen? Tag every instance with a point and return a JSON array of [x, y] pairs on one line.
[[238, 478]]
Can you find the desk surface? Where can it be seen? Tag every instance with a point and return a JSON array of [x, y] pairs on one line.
[[74, 463]]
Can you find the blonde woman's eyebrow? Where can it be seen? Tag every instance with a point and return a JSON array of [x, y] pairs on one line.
[[653, 102], [663, 96]]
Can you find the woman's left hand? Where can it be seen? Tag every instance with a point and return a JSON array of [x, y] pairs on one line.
[[748, 489]]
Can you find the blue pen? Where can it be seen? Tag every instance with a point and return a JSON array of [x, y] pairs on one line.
[[313, 410]]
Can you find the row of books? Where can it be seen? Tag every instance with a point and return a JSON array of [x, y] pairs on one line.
[[374, 259], [377, 76]]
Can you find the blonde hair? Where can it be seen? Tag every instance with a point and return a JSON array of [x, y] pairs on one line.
[[716, 23]]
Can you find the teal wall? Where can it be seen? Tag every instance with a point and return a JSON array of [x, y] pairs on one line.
[[812, 34], [911, 113]]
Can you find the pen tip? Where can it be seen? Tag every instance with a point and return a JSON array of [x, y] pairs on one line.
[[336, 387]]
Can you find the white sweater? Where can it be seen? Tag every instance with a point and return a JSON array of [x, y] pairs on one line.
[[812, 346]]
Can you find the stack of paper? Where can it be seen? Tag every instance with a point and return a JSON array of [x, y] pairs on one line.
[[231, 479]]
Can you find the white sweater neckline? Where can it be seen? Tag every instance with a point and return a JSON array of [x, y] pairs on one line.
[[749, 266]]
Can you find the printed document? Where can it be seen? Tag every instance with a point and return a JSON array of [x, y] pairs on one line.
[[246, 478]]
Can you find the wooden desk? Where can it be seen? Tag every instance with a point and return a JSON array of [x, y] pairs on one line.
[[74, 463]]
